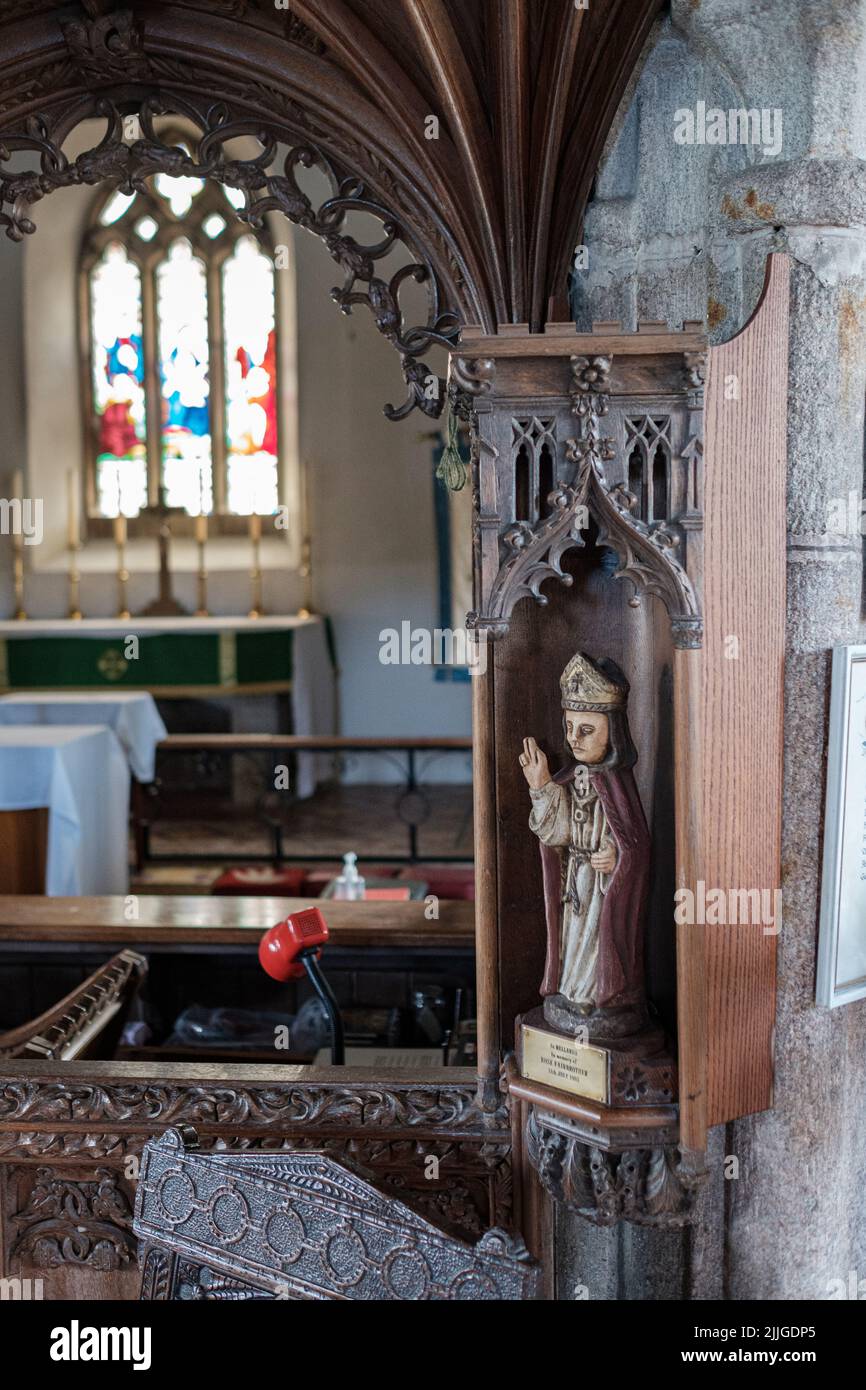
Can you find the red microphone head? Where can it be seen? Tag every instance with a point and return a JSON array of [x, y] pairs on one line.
[[281, 946]]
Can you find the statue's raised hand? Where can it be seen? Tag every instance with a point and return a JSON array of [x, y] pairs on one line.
[[534, 764]]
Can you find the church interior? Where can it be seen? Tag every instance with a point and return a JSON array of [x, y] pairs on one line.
[[431, 680]]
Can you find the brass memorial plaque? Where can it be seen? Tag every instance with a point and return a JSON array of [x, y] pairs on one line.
[[566, 1064]]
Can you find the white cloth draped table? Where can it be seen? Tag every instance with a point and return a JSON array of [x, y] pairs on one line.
[[306, 675], [82, 775], [132, 715]]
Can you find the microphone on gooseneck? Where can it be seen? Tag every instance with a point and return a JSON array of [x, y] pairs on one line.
[[292, 949]]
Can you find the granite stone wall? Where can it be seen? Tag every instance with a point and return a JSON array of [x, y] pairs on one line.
[[682, 231]]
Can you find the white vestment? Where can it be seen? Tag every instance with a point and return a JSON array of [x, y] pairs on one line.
[[570, 818]]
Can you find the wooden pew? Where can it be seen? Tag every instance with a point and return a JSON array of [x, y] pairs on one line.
[[23, 850], [76, 1129], [149, 921], [88, 1022]]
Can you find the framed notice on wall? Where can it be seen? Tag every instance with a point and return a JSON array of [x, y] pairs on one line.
[[842, 940]]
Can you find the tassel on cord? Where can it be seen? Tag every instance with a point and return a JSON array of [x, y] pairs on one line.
[[451, 469]]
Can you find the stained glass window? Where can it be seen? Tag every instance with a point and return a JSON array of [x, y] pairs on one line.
[[184, 369], [118, 383], [249, 326], [169, 273]]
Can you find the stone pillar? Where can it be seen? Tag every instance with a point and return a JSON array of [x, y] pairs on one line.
[[793, 1223], [797, 1215]]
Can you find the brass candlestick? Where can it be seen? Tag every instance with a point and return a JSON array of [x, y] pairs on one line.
[[201, 542], [122, 571], [74, 581], [20, 610], [257, 609], [73, 544], [306, 609], [306, 571], [18, 547]]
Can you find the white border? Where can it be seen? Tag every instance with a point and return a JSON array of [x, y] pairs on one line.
[[828, 991]]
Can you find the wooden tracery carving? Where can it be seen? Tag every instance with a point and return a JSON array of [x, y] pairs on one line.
[[130, 164], [471, 132], [646, 551], [530, 553]]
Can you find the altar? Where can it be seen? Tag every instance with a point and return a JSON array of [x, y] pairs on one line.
[[169, 657], [234, 659]]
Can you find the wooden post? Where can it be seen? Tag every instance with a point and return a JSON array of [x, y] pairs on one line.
[[486, 944], [691, 943]]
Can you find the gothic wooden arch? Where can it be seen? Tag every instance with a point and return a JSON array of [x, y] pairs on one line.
[[523, 92], [472, 131]]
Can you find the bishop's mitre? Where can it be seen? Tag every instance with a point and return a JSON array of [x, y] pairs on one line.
[[585, 685]]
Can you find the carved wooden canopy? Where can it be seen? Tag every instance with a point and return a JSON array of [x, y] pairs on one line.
[[489, 196]]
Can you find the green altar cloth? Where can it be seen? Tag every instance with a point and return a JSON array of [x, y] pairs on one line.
[[167, 657]]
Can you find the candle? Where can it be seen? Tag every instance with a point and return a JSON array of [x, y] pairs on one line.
[[201, 528], [18, 491], [255, 527], [72, 508], [120, 530]]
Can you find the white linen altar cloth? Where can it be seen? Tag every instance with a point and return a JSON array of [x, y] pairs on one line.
[[314, 684], [131, 714], [81, 774], [314, 703]]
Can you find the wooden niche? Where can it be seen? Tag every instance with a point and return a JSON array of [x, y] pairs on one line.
[[590, 468]]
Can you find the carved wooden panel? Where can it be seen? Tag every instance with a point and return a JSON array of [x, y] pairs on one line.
[[70, 1227], [304, 1226], [425, 1141], [743, 690], [58, 1217], [610, 562]]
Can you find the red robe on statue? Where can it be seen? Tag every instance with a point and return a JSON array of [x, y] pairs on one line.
[[620, 930]]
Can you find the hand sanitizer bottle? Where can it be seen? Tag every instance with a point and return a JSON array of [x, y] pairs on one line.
[[350, 885]]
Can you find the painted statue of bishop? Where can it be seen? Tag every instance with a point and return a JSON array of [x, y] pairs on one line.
[[595, 851]]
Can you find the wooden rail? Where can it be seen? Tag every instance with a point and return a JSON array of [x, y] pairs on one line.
[[216, 921], [307, 743]]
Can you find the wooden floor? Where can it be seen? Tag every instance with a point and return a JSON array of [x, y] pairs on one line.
[[363, 818]]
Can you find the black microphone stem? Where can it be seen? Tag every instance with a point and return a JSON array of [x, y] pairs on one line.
[[328, 998]]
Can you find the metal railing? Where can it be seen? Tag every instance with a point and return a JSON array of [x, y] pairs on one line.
[[175, 801]]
